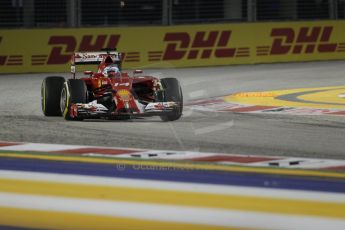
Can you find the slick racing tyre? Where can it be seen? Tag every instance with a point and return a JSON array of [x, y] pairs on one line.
[[172, 92], [73, 91], [50, 95]]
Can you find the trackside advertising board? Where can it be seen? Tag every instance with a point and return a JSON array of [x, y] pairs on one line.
[[49, 50]]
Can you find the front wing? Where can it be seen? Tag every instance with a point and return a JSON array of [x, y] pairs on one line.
[[95, 110]]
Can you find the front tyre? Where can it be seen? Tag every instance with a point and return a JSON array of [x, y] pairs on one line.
[[172, 92], [74, 91], [50, 95]]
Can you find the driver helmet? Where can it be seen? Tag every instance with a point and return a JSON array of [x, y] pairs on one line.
[[111, 71]]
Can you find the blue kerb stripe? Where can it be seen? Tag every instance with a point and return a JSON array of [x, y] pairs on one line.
[[178, 175]]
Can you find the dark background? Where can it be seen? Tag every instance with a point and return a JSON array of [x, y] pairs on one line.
[[85, 13]]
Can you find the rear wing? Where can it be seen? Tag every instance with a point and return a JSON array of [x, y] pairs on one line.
[[86, 58]]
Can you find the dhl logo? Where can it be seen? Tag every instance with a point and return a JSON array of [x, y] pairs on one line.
[[202, 44], [305, 40], [65, 46]]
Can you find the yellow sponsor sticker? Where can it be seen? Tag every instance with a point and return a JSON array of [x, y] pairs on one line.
[[124, 94]]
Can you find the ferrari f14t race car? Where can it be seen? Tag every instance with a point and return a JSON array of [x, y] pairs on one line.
[[109, 92]]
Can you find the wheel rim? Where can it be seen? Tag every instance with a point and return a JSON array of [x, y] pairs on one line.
[[63, 100]]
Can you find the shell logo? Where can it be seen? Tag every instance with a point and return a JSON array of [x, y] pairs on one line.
[[124, 94]]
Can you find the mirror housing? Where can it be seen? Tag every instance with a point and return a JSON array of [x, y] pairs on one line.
[[88, 72], [138, 71]]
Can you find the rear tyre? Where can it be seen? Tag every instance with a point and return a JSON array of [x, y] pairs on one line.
[[74, 91], [50, 95], [172, 92]]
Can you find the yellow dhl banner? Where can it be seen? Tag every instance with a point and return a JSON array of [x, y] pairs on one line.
[[49, 50]]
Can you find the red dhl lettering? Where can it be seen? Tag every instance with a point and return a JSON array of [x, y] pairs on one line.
[[181, 45], [11, 60], [65, 46], [305, 40], [2, 58]]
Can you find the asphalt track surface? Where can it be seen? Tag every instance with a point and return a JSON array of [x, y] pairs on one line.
[[21, 119]]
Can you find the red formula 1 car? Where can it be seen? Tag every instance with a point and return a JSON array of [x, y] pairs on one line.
[[109, 92]]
